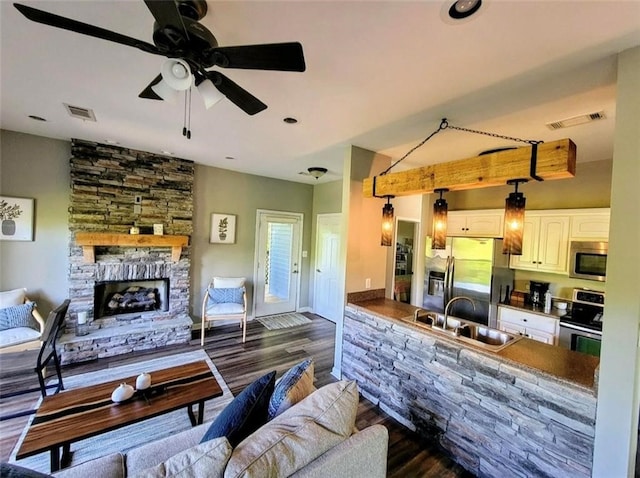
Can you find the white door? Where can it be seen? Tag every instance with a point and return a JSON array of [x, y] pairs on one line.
[[277, 266], [326, 294]]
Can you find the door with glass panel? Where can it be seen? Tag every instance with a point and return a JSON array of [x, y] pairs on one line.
[[277, 267]]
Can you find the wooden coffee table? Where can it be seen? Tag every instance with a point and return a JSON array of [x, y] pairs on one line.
[[81, 413]]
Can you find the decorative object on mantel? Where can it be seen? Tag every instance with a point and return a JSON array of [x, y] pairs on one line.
[[122, 393], [158, 229], [134, 230], [439, 229], [514, 220], [387, 224], [547, 161], [88, 240], [143, 381], [16, 218], [223, 229]]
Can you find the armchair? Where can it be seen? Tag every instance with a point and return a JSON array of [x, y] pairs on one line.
[[224, 299], [21, 325]]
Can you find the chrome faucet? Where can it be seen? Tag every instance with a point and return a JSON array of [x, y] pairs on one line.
[[446, 309]]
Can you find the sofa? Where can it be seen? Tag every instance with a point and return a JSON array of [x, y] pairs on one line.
[[314, 436]]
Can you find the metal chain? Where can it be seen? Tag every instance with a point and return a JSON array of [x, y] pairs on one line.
[[444, 124], [493, 135]]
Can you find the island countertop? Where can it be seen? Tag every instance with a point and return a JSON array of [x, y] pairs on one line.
[[566, 366]]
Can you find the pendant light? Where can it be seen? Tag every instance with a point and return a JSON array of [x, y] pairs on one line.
[[387, 223], [439, 229], [514, 220]]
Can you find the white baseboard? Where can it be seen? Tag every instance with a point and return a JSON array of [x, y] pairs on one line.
[[305, 309]]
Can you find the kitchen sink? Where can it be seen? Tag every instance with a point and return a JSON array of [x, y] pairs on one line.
[[469, 332]]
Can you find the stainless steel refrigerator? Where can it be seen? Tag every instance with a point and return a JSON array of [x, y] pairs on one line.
[[471, 267]]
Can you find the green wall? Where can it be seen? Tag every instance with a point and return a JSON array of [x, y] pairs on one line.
[[38, 168]]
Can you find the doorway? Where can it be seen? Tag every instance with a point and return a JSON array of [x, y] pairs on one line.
[[404, 261], [277, 262], [327, 300]]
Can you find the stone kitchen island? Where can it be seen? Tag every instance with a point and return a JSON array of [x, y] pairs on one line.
[[526, 410]]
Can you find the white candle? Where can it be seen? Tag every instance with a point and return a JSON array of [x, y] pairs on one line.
[[82, 318]]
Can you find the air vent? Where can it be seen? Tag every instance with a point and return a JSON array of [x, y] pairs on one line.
[[79, 112], [576, 120]]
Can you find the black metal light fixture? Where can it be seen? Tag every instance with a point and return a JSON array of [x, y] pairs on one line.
[[514, 220], [387, 224], [439, 225], [317, 172]]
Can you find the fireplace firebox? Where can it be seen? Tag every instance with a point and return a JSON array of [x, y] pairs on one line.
[[121, 298]]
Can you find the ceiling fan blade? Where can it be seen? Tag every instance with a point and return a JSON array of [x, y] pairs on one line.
[[57, 21], [274, 56], [236, 94], [148, 93], [165, 13]]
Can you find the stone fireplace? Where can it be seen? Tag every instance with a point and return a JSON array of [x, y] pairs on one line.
[[112, 190]]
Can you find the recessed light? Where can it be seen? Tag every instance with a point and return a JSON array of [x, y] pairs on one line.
[[464, 8], [290, 120], [37, 118], [229, 157]]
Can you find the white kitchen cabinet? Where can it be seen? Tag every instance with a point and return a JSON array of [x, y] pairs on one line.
[[534, 326], [590, 225], [481, 223], [545, 243]]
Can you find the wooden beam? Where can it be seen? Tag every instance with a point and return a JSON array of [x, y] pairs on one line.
[[88, 241], [555, 160]]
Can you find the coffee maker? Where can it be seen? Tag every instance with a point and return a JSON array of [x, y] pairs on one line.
[[536, 292]]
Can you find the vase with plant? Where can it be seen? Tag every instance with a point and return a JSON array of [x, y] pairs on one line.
[[9, 212], [222, 228]]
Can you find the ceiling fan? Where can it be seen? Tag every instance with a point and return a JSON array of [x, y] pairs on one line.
[[191, 49]]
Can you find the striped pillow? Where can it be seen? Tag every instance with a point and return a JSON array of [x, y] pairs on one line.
[[224, 295], [295, 385], [18, 316]]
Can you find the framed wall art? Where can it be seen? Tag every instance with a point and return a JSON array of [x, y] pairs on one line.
[[223, 228], [16, 219]]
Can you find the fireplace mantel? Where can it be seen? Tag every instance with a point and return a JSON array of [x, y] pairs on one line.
[[88, 241]]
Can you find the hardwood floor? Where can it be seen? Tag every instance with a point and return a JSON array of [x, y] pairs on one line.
[[409, 455]]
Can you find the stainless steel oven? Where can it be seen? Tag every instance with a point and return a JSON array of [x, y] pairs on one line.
[[581, 330], [588, 260]]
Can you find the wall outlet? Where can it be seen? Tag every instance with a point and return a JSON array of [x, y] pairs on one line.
[[304, 254], [367, 283]]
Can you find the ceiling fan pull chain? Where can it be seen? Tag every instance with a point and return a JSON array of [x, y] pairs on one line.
[[184, 117], [189, 117]]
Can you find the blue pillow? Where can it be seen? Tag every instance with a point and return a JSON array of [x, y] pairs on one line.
[[245, 414], [9, 470], [18, 316], [226, 296], [295, 385]]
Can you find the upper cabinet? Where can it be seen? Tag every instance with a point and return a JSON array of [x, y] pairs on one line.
[[545, 242], [590, 225], [484, 223]]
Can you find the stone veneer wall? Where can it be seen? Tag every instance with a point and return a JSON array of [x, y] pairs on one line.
[[104, 182], [496, 419]]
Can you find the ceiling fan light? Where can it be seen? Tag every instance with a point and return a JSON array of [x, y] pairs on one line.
[[210, 94], [177, 74], [164, 91]]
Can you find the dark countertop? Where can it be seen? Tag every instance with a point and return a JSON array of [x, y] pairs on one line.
[[565, 366]]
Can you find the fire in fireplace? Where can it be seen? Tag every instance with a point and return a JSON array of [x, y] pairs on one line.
[[116, 298]]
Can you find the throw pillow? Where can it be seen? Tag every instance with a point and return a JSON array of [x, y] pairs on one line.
[[13, 297], [18, 316], [207, 459], [245, 414], [225, 295], [9, 470], [293, 386], [299, 435]]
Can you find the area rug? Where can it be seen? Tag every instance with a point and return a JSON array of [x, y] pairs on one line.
[[283, 321], [131, 436]]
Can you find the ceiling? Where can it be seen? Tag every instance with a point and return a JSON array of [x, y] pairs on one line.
[[380, 75]]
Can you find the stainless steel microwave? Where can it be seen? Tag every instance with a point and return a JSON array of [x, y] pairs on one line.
[[588, 260]]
